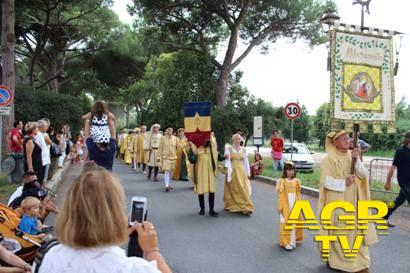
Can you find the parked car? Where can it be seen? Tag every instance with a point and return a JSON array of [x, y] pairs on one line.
[[301, 156]]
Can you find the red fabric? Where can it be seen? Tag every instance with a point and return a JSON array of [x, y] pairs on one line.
[[198, 138], [277, 144], [16, 148]]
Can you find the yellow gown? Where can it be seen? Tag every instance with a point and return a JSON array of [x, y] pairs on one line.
[[135, 147], [237, 191], [181, 171], [168, 153], [128, 149], [141, 158], [204, 173], [288, 192], [122, 142], [336, 165]]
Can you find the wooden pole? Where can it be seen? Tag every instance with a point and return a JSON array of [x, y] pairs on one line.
[[356, 129]]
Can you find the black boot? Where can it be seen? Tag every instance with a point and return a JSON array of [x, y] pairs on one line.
[[201, 204], [211, 205], [149, 172], [156, 174]]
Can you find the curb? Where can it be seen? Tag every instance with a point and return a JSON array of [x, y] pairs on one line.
[[53, 183], [305, 190]]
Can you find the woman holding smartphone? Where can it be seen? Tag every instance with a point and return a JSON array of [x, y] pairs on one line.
[[90, 228]]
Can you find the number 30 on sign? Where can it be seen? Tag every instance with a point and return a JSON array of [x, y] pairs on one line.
[[292, 110]]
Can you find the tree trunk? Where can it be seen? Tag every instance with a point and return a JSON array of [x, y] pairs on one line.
[[222, 87], [127, 116], [54, 85], [8, 42]]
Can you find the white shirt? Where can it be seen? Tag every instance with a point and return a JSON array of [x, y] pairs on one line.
[[112, 259], [45, 152]]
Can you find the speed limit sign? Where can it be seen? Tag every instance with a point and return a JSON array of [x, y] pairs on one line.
[[292, 110]]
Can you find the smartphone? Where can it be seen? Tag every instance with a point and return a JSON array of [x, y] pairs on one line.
[[138, 209]]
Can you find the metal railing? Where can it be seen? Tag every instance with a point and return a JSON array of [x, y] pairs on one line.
[[378, 171]]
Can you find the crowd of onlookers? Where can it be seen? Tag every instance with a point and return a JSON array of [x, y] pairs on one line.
[[41, 149]]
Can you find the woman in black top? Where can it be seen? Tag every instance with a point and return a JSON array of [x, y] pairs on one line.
[[32, 152]]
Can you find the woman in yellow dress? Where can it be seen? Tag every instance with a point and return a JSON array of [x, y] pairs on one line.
[[288, 189], [181, 167], [129, 148], [237, 192]]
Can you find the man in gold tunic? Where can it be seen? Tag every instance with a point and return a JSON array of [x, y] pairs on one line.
[[129, 147], [338, 184], [151, 146], [168, 156], [205, 169], [135, 148], [141, 158]]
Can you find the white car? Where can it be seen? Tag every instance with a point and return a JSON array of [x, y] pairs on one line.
[[301, 156]]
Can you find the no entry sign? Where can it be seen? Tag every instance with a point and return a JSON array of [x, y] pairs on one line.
[[6, 96], [292, 110]]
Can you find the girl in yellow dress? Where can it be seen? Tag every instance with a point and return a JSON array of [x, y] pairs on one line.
[[288, 189], [181, 167], [237, 191]]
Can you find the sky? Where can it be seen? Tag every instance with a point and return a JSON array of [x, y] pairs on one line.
[[293, 72]]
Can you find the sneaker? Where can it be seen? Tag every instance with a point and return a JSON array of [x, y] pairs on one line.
[[202, 212], [288, 247], [167, 189], [144, 173]]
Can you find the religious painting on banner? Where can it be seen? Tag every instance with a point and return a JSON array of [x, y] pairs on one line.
[[197, 119], [362, 80]]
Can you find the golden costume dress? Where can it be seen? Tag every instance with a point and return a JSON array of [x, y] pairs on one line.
[[168, 153], [182, 164], [128, 149], [141, 158], [335, 168], [288, 192], [237, 191]]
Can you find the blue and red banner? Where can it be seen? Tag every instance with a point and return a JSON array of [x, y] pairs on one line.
[[197, 122]]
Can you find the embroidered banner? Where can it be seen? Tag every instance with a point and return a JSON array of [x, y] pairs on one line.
[[197, 122], [362, 81]]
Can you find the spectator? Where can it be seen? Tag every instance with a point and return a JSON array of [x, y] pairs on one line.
[[55, 151], [16, 146], [277, 144], [32, 152], [92, 226], [100, 123], [63, 145], [401, 162], [79, 146], [257, 165], [17, 265], [29, 222], [44, 144]]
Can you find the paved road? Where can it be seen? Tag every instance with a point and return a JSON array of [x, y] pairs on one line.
[[235, 243]]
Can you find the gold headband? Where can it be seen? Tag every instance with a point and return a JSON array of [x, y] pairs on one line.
[[335, 134]]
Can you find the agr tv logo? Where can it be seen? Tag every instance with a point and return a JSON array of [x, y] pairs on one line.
[[339, 220]]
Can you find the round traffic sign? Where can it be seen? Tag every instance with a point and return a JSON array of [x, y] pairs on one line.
[[6, 96], [292, 110]]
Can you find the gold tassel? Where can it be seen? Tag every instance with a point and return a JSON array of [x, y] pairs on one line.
[[392, 129], [377, 129], [364, 128]]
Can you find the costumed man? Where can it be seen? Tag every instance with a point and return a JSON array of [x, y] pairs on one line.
[[168, 156], [151, 146], [181, 167], [129, 148], [121, 143], [141, 158], [135, 148], [205, 170], [338, 184]]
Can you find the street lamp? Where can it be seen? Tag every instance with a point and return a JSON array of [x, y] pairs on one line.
[[328, 20]]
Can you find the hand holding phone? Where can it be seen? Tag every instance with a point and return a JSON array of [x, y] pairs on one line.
[[138, 209]]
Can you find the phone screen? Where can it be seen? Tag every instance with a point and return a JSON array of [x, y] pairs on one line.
[[137, 211]]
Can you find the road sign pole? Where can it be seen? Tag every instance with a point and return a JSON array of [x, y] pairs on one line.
[[291, 139]]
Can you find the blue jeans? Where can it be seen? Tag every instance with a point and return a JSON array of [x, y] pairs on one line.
[[275, 166]]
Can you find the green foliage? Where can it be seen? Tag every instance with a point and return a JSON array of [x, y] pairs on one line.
[[321, 123], [61, 109]]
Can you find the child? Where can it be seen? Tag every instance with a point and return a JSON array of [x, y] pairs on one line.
[[288, 189], [79, 145], [29, 223], [257, 166], [73, 155]]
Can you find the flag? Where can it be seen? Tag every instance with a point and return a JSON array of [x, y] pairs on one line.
[[197, 122]]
